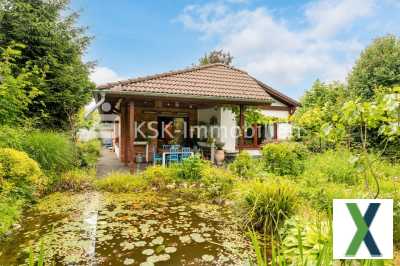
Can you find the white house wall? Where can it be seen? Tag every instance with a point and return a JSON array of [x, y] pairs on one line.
[[284, 129], [226, 120]]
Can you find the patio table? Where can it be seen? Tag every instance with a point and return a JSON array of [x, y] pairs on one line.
[[164, 155]]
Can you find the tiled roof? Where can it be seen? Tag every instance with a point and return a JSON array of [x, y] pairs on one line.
[[217, 81]]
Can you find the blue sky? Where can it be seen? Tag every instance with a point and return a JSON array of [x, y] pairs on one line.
[[286, 44]]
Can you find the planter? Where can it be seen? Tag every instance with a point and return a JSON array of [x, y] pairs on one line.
[[139, 158], [219, 157]]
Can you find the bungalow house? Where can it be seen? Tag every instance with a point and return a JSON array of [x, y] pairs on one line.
[[187, 103]]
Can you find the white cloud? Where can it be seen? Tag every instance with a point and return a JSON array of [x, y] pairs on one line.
[[101, 75], [268, 48], [328, 17]]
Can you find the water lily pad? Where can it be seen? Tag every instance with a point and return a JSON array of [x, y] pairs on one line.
[[170, 249], [158, 258], [185, 239], [129, 261], [197, 237], [127, 245], [148, 252], [158, 241], [140, 243], [207, 257]]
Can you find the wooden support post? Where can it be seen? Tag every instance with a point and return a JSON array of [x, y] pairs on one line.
[[123, 138], [131, 135], [241, 126], [275, 131], [255, 135]]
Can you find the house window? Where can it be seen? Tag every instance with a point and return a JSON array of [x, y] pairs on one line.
[[263, 134], [267, 133]]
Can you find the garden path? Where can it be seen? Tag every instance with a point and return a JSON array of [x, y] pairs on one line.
[[108, 162]]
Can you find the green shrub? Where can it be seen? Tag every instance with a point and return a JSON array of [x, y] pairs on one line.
[[284, 158], [266, 205], [75, 180], [11, 137], [334, 166], [190, 168], [121, 182], [396, 221], [158, 176], [216, 182], [88, 152], [53, 151], [245, 166], [22, 176], [302, 237], [10, 211], [320, 195]]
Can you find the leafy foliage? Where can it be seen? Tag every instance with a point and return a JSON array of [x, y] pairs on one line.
[[285, 158], [121, 182], [53, 151], [265, 206], [88, 152], [217, 182], [75, 180], [216, 56], [10, 211], [190, 168], [337, 166], [17, 90], [159, 177], [244, 166], [313, 235], [55, 46], [22, 177], [378, 65], [319, 106]]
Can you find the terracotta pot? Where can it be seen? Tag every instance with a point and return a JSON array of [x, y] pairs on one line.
[[219, 156], [139, 158]]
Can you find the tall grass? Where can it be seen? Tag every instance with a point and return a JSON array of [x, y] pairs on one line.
[[335, 166], [40, 260], [53, 151], [265, 206], [324, 257]]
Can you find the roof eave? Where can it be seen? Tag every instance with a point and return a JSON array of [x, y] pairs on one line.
[[280, 96], [184, 96]]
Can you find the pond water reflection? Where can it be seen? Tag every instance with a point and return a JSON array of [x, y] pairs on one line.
[[126, 229]]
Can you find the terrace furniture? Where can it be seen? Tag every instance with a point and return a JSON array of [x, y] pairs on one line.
[[186, 153], [173, 156], [166, 154]]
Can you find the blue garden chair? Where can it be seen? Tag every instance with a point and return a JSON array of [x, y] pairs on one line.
[[186, 152], [173, 157], [157, 158]]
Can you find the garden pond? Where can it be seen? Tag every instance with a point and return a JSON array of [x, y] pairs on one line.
[[96, 228]]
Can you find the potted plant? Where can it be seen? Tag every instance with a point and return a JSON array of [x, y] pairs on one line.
[[139, 158], [219, 153]]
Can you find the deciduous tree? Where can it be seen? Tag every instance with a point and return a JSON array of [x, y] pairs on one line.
[[378, 65], [56, 46]]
